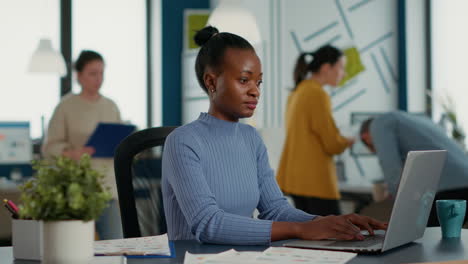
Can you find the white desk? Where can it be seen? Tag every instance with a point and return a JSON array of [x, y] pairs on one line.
[[358, 187]]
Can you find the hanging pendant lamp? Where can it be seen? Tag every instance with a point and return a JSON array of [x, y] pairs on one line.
[[46, 60], [230, 16]]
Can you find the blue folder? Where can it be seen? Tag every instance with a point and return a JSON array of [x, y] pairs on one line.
[[107, 136]]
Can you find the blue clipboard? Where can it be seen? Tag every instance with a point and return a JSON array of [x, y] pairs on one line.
[[171, 246], [107, 136]]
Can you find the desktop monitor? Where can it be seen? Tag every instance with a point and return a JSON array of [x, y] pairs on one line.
[[16, 151], [15, 143]]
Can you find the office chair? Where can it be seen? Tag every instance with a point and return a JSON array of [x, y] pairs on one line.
[[137, 173]]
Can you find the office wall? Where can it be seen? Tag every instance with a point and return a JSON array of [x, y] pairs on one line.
[[416, 36], [172, 27], [449, 57], [289, 27], [156, 41]]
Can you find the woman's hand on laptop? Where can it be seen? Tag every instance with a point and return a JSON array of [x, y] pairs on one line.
[[366, 223], [342, 227]]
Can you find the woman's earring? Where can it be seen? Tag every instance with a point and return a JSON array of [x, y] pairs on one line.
[[212, 90]]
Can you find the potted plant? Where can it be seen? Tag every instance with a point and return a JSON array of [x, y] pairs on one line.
[[455, 130], [67, 195], [449, 119]]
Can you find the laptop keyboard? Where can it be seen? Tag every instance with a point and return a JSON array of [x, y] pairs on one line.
[[367, 242]]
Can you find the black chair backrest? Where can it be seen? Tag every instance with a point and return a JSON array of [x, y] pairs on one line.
[[124, 174]]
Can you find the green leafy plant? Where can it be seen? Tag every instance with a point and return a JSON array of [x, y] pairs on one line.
[[449, 119], [64, 189], [457, 131]]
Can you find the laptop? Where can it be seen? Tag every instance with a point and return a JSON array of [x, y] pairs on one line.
[[416, 192]]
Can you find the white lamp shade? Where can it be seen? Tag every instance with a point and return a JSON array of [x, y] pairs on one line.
[[46, 60], [230, 16]]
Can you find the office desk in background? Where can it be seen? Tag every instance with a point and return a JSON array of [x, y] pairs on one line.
[[427, 249], [357, 192]]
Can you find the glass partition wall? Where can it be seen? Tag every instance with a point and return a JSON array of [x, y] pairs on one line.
[[117, 30], [25, 96], [449, 58]]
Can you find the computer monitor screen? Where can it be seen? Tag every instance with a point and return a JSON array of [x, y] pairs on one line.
[[15, 143]]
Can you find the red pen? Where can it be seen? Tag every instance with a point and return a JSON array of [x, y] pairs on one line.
[[12, 205], [14, 214]]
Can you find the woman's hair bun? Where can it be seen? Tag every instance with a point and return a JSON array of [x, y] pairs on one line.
[[202, 36]]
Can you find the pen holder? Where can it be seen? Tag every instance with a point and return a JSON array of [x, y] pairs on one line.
[[27, 239]]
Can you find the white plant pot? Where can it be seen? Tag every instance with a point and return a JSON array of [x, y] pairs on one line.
[[69, 241]]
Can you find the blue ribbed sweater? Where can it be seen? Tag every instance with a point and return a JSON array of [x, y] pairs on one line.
[[214, 174]]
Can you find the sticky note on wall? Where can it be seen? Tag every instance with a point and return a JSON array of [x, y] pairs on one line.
[[353, 66], [195, 22]]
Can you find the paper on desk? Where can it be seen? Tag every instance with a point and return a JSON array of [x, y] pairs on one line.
[[295, 255], [109, 260], [196, 258], [234, 257], [271, 255], [227, 257], [202, 258], [150, 245], [445, 262]]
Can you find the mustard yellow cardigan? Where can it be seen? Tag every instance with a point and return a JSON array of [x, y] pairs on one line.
[[306, 166]]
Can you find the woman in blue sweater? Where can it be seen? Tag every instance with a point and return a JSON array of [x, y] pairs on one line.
[[216, 171]]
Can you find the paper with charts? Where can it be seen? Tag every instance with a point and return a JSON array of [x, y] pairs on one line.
[[150, 245], [271, 256], [230, 256]]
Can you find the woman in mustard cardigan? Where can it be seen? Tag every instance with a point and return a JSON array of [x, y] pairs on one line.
[[307, 170]]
